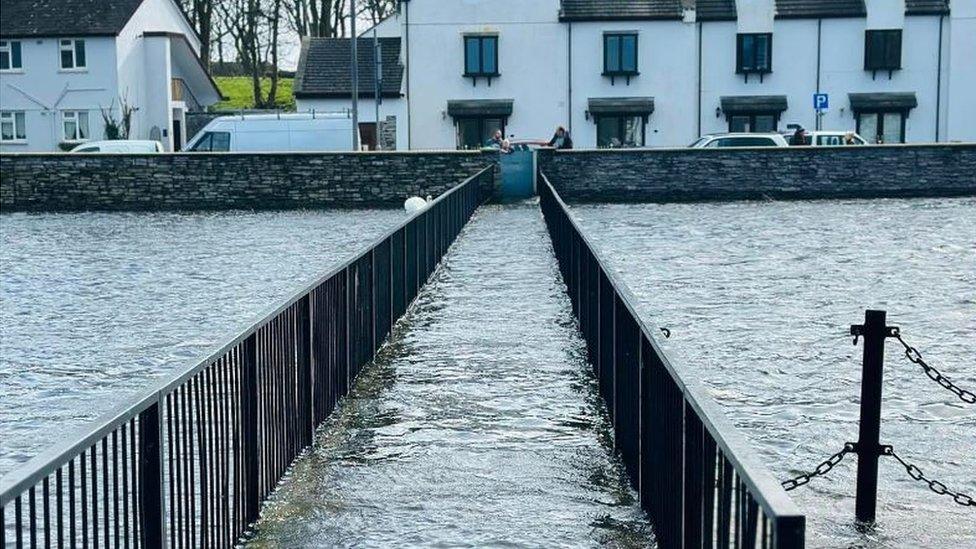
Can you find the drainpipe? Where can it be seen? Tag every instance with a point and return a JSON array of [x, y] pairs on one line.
[[354, 47], [406, 69], [817, 113], [569, 94], [938, 83], [699, 79]]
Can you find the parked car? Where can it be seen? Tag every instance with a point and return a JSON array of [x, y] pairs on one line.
[[124, 146], [275, 133], [833, 139], [722, 140]]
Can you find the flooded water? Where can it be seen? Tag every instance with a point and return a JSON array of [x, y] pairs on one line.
[[94, 305], [759, 298], [479, 425]]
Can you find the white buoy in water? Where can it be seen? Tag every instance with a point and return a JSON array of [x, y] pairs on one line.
[[414, 204]]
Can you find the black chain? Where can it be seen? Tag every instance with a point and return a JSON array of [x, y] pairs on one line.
[[821, 470], [934, 485], [915, 356]]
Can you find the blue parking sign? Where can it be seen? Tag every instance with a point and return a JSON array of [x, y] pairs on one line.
[[821, 101]]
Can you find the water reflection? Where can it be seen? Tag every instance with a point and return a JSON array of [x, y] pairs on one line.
[[479, 425], [759, 298]]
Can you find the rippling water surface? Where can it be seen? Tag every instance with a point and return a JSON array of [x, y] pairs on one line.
[[479, 425], [94, 305], [759, 298]]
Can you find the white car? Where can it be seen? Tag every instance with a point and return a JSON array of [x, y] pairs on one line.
[[833, 139], [723, 140], [122, 146]]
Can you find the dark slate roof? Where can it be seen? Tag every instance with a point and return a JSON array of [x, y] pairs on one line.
[[715, 10], [621, 105], [324, 68], [26, 18], [620, 10], [926, 7], [890, 100], [796, 9], [734, 104], [480, 107]]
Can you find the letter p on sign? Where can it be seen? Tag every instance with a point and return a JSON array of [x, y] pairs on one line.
[[820, 102]]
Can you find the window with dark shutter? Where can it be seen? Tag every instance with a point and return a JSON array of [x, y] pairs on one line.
[[620, 55], [481, 56], [882, 50], [754, 53]]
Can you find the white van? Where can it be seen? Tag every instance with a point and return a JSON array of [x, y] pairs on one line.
[[124, 146], [275, 133]]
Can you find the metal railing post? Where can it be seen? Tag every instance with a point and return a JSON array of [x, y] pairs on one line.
[[249, 426], [868, 448], [152, 512]]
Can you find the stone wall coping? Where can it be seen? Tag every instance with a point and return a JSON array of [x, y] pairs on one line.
[[775, 150], [239, 154]]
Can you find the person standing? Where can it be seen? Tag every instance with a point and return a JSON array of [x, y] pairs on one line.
[[561, 139]]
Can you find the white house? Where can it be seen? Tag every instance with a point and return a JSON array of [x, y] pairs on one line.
[[664, 72], [70, 68]]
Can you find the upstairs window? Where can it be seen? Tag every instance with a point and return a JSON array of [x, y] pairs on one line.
[[13, 126], [481, 56], [10, 56], [754, 54], [882, 50], [73, 54], [620, 55], [75, 125]]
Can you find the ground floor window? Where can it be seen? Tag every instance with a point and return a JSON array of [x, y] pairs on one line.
[[882, 126], [476, 132], [616, 131], [75, 125], [13, 126], [757, 122]]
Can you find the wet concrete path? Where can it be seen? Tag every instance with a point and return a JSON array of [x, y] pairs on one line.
[[478, 425]]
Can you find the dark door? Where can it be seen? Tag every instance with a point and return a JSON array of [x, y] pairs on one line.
[[177, 135], [367, 135]]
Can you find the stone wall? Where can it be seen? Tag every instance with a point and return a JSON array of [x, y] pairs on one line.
[[218, 181], [664, 175]]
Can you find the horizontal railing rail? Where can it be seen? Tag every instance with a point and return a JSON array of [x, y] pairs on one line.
[[188, 462], [697, 476]]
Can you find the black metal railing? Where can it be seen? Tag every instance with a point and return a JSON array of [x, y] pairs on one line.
[[188, 463], [697, 477]]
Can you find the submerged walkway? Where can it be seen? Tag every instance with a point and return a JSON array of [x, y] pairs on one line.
[[479, 424]]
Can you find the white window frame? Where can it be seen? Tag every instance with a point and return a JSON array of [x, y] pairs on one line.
[[72, 45], [10, 117], [76, 117], [8, 47]]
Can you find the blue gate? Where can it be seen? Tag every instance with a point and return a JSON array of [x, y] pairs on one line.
[[518, 174]]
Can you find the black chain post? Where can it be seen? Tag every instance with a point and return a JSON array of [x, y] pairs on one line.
[[868, 447]]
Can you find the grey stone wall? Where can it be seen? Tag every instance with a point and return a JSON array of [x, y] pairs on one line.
[[665, 175], [218, 181], [387, 134]]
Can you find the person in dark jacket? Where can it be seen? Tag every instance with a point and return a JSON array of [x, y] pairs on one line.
[[799, 137], [561, 139]]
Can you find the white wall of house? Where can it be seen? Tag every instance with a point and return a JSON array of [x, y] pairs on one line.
[[664, 50], [367, 112], [43, 91], [960, 119], [532, 62]]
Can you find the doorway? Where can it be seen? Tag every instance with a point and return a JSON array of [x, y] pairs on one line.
[[367, 136]]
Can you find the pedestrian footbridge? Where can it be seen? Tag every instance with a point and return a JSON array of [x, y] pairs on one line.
[[475, 377]]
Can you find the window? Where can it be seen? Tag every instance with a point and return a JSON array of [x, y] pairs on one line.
[[882, 126], [620, 55], [10, 56], [13, 126], [213, 142], [73, 54], [754, 54], [75, 125], [475, 132], [616, 131], [481, 56], [759, 122], [882, 50]]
